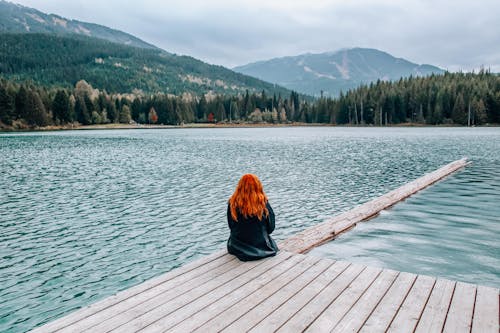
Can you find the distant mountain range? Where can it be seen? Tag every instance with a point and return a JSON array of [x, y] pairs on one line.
[[17, 18], [56, 51], [53, 50], [334, 72]]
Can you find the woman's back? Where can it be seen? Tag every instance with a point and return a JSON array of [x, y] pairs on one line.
[[250, 239], [251, 221]]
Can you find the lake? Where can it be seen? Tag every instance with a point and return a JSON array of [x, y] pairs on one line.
[[85, 214]]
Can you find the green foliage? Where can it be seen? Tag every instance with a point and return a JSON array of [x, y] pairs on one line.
[[35, 113], [444, 99], [61, 61], [61, 108], [7, 106], [436, 99]]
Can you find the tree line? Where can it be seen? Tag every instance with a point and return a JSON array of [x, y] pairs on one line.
[[27, 105], [452, 98]]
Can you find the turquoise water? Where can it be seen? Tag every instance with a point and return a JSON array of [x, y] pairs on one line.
[[85, 214], [450, 229]]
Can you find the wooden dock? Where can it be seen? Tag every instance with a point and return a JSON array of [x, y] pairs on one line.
[[289, 293], [326, 231], [293, 292]]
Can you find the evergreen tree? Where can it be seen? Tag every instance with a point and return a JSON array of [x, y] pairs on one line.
[[82, 114], [459, 113], [262, 102], [250, 105], [479, 112], [202, 110], [172, 116], [36, 115], [247, 108], [21, 103], [235, 110], [125, 115], [220, 111], [113, 114], [7, 106], [90, 107], [136, 109], [61, 107]]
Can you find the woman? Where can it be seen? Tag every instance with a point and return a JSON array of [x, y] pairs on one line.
[[251, 221]]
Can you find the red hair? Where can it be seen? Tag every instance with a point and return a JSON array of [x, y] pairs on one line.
[[249, 198]]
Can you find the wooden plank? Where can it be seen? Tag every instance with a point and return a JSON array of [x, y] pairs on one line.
[[381, 317], [217, 307], [276, 319], [486, 311], [254, 316], [303, 318], [343, 303], [408, 315], [159, 307], [220, 256], [459, 318], [359, 313], [435, 311], [232, 313], [133, 306], [200, 303], [323, 232]]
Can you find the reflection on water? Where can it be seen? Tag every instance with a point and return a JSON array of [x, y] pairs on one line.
[[85, 214], [450, 229]]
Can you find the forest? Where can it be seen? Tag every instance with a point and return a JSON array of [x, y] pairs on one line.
[[62, 60], [450, 99]]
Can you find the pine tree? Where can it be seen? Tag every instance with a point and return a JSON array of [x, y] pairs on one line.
[[113, 114], [21, 102], [459, 113], [480, 115], [61, 107], [7, 106], [136, 109], [125, 116], [36, 115], [220, 111], [202, 109], [82, 114]]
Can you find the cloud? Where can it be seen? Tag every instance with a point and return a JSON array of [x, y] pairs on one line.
[[450, 34]]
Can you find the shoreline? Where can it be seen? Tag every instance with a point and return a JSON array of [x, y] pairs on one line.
[[218, 125], [152, 126]]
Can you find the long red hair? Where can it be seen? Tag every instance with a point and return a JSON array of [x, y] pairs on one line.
[[249, 198]]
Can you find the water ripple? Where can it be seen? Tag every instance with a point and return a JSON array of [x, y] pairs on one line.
[[450, 229], [85, 214]]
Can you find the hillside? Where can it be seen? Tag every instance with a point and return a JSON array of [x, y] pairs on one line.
[[15, 18], [62, 60], [334, 71]]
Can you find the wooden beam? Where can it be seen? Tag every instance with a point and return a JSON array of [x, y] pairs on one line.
[[198, 266], [326, 231], [459, 318], [486, 310]]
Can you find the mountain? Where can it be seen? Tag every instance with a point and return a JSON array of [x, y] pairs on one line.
[[63, 60], [55, 51], [333, 72], [19, 19]]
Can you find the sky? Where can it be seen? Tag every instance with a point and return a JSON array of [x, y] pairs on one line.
[[451, 34]]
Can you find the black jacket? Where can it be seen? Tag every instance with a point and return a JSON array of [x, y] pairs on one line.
[[250, 237]]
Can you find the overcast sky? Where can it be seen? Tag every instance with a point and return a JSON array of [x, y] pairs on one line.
[[451, 34]]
